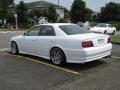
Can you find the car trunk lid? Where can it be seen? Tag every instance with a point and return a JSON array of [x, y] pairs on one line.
[[97, 39]]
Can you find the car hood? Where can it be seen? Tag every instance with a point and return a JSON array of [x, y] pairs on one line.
[[16, 37]]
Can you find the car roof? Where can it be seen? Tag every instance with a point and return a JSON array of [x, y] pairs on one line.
[[56, 24]]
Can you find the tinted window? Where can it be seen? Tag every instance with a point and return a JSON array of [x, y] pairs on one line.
[[34, 31], [47, 31], [73, 29], [110, 26]]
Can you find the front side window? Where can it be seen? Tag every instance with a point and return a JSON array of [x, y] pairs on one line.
[[73, 29], [33, 32], [47, 31]]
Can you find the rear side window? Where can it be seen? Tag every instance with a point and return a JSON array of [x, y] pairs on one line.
[[73, 29], [46, 31]]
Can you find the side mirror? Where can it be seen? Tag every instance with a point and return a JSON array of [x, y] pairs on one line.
[[24, 34]]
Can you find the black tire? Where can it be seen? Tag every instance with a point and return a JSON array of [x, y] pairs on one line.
[[105, 32], [113, 32], [57, 56], [14, 48]]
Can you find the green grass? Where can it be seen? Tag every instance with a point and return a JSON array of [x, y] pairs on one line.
[[116, 38]]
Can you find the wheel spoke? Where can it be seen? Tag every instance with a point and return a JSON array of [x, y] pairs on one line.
[[56, 56]]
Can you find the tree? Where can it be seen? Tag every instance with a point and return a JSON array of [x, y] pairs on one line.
[[52, 14], [110, 12], [36, 14], [77, 12], [4, 6], [88, 14], [10, 16], [22, 12]]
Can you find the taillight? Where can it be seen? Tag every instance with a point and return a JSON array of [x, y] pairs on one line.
[[87, 44], [109, 40]]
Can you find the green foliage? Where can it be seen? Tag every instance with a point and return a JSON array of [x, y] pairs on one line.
[[28, 26], [35, 14], [66, 14], [22, 12], [52, 14], [77, 12], [116, 38], [117, 26], [10, 16], [4, 5], [64, 20], [110, 12], [88, 13]]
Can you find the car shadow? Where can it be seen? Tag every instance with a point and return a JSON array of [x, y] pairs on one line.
[[82, 68]]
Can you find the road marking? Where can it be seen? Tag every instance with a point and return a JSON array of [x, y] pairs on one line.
[[115, 57], [50, 65], [4, 49]]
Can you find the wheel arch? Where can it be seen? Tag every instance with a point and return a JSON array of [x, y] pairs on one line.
[[16, 45], [59, 48]]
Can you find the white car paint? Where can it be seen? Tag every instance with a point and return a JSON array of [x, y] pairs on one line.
[[70, 44], [109, 29]]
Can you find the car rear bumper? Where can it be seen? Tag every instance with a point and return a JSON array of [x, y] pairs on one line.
[[88, 54]]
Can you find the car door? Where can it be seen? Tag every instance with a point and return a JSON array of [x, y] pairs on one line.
[[29, 40], [45, 41]]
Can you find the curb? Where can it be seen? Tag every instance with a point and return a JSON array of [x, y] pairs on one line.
[[11, 31], [118, 43]]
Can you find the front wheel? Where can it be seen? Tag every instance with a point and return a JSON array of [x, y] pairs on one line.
[[14, 48], [57, 56]]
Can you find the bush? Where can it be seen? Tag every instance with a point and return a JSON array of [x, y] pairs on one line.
[[63, 20], [117, 26], [28, 26]]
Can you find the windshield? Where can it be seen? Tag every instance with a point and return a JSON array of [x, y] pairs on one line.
[[101, 25], [73, 29]]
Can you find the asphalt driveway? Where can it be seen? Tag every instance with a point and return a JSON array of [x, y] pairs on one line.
[[25, 72]]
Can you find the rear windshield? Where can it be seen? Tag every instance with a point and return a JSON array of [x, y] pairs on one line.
[[73, 29]]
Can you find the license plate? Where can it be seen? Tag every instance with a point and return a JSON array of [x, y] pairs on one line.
[[101, 41]]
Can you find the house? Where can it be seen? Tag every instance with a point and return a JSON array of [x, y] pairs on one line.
[[44, 5]]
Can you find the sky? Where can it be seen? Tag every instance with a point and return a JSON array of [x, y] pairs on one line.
[[95, 5]]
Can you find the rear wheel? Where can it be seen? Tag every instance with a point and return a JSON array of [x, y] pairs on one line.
[[113, 32], [57, 56], [14, 48]]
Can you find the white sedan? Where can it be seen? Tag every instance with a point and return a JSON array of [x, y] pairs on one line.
[[62, 43], [104, 28]]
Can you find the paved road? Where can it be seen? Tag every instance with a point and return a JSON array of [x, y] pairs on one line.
[[118, 33], [5, 38], [22, 73]]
